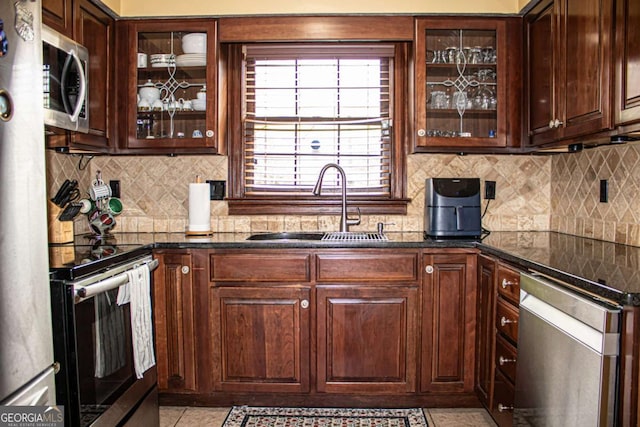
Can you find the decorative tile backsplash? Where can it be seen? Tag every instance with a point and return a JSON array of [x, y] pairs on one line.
[[575, 195], [155, 192], [537, 193]]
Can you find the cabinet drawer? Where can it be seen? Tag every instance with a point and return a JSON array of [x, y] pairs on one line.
[[503, 399], [507, 319], [260, 267], [506, 355], [377, 266], [509, 284]]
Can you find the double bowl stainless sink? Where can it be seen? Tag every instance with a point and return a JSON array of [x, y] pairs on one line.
[[321, 236]]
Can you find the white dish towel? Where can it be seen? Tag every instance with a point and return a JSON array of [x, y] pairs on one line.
[[138, 292]]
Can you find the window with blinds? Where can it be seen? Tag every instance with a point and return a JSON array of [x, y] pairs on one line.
[[306, 106]]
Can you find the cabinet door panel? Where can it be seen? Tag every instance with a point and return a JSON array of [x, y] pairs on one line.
[[95, 30], [467, 84], [260, 267], [161, 123], [367, 266], [486, 329], [264, 339], [57, 15], [541, 66], [569, 57], [449, 319], [627, 62], [174, 323], [366, 339], [587, 44]]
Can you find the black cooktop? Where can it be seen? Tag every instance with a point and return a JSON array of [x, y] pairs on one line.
[[89, 254]]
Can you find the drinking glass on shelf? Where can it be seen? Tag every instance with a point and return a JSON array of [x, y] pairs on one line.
[[439, 99]]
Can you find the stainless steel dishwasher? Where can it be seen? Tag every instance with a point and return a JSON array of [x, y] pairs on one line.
[[568, 348]]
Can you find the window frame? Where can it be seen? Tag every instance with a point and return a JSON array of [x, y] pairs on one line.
[[328, 203]]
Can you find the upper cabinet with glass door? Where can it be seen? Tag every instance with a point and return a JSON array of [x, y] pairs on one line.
[[172, 89], [466, 88]]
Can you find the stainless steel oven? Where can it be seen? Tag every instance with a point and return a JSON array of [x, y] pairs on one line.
[[65, 67], [97, 382]]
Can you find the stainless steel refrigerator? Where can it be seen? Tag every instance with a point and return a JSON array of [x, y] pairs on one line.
[[26, 344]]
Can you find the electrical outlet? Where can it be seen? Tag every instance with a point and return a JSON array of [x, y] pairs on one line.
[[604, 191], [217, 189], [489, 190], [115, 188]]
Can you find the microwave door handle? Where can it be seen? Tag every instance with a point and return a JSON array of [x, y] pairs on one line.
[[83, 88], [63, 81]]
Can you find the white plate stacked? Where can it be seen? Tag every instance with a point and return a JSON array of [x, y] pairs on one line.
[[191, 60]]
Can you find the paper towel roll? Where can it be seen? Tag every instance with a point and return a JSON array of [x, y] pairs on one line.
[[199, 207]]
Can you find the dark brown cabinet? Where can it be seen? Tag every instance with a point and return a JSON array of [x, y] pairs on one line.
[[367, 321], [58, 14], [485, 328], [448, 322], [263, 341], [260, 315], [168, 98], [95, 30], [317, 325], [467, 84], [568, 62], [499, 361], [627, 64], [174, 310]]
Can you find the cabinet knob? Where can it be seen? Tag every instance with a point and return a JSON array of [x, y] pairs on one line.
[[209, 133], [504, 321], [502, 360], [304, 303], [555, 123], [503, 408], [506, 283], [422, 132], [185, 269], [429, 269]]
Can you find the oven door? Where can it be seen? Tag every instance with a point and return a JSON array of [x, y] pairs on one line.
[[97, 382], [105, 355]]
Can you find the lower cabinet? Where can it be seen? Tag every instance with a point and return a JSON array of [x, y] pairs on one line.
[[174, 319], [498, 315], [448, 322], [262, 336], [367, 339], [344, 326]]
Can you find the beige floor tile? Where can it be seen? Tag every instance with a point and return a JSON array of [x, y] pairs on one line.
[[203, 417], [169, 415], [458, 417]]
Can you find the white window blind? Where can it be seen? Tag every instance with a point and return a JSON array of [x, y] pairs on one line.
[[306, 106]]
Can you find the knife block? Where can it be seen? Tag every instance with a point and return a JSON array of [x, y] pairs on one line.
[[59, 231]]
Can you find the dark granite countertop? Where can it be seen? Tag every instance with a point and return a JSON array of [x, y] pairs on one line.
[[606, 270]]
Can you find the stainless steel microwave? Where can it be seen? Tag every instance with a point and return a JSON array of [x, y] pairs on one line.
[[65, 66]]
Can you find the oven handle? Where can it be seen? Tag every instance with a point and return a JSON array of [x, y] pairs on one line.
[[109, 284]]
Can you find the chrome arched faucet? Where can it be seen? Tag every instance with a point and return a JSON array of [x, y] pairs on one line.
[[345, 222]]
